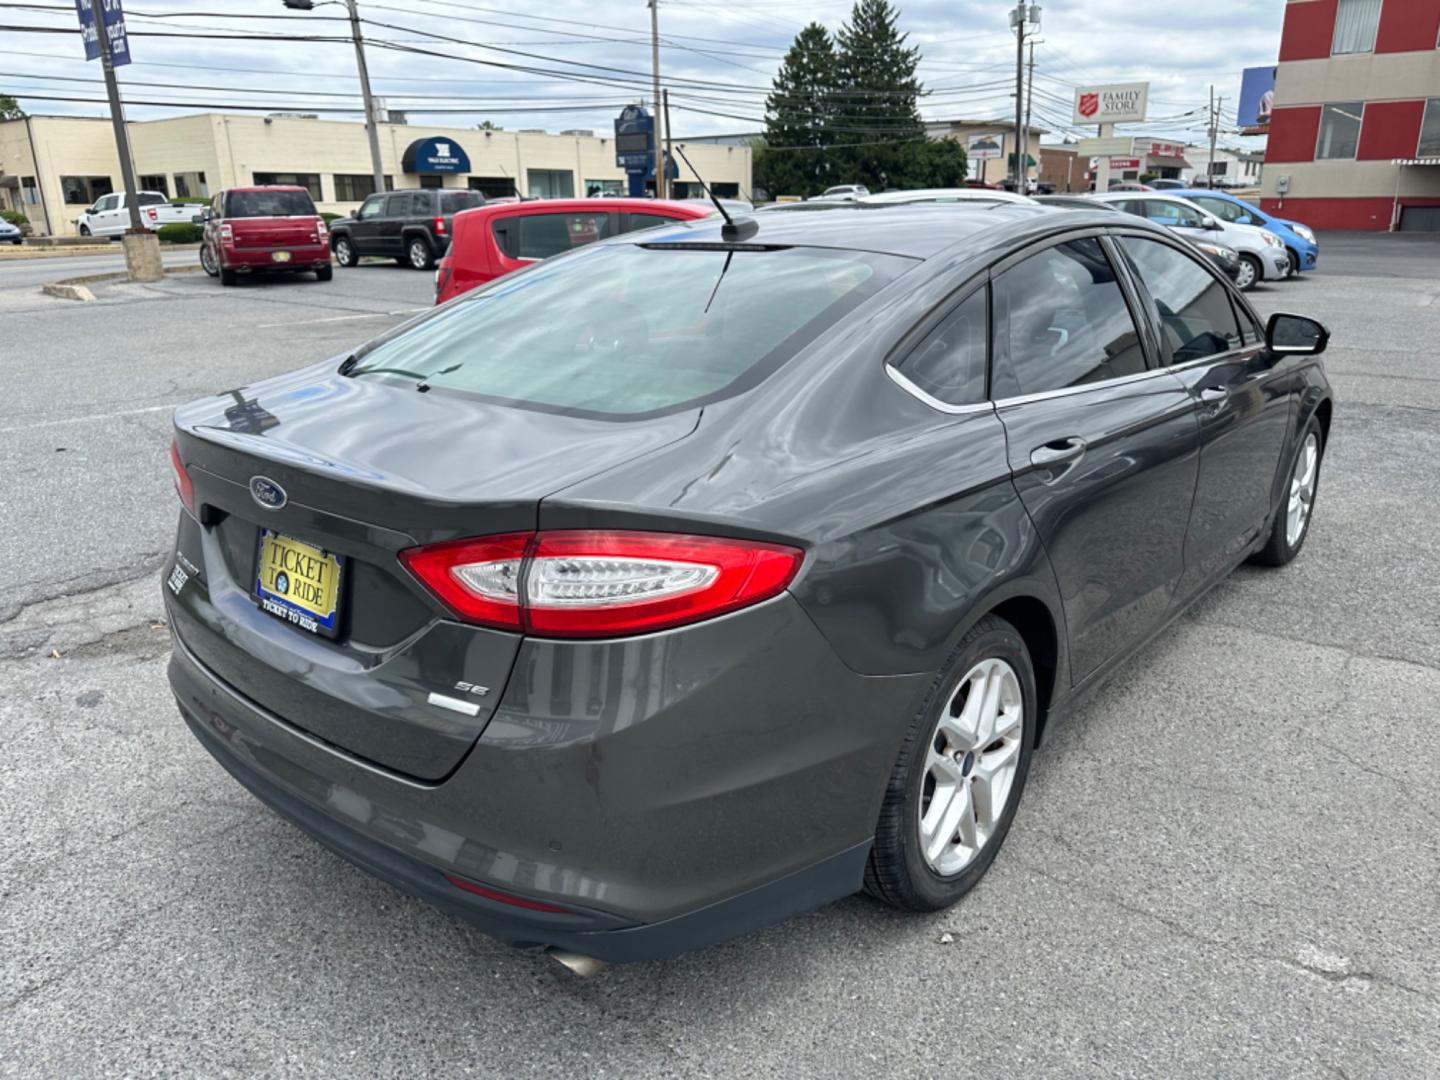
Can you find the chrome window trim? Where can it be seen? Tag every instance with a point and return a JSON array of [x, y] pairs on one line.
[[1081, 388], [929, 399]]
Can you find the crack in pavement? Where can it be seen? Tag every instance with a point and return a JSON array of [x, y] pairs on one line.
[[92, 581]]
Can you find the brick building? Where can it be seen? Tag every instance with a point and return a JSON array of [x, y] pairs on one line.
[[1355, 132]]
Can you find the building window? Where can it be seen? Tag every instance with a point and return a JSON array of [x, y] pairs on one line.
[[604, 187], [357, 187], [85, 190], [29, 195], [1339, 131], [550, 183], [309, 181], [191, 185], [155, 182], [1430, 130], [1355, 24], [493, 187]]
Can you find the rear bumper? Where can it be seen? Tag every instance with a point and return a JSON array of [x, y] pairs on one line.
[[660, 817], [302, 257]]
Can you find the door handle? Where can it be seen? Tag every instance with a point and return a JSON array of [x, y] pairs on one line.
[[1057, 452], [1214, 395]]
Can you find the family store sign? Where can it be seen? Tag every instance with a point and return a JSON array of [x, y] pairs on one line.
[[1121, 103]]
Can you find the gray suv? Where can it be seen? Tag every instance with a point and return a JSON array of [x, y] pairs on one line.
[[411, 227]]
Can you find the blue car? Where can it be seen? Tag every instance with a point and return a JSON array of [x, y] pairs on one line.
[[1299, 239]]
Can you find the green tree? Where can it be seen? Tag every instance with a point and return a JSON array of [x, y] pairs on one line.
[[875, 100], [10, 109], [794, 160]]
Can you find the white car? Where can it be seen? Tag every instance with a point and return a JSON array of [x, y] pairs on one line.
[[1262, 254], [110, 216], [946, 195], [841, 193]]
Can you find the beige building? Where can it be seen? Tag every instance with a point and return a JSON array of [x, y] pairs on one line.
[[984, 137], [54, 167]]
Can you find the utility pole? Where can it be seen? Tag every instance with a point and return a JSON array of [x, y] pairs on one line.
[[655, 75], [669, 135], [1017, 19], [1029, 99], [372, 129], [1210, 123], [372, 122], [117, 119]]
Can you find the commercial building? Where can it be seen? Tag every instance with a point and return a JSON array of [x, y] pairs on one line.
[[990, 146], [1355, 130], [53, 167]]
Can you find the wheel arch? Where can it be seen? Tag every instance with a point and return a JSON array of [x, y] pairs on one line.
[[1033, 620]]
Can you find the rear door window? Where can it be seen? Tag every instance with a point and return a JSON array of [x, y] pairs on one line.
[[1196, 319], [401, 205], [452, 202], [1066, 323], [949, 364]]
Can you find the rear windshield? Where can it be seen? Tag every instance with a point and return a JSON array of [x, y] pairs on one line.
[[452, 202], [151, 198], [240, 204], [623, 330]]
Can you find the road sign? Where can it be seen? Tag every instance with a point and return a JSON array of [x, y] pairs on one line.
[[1118, 103], [1124, 163], [113, 19]]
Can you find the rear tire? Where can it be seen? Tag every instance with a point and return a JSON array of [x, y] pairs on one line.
[[325, 273], [228, 277], [418, 255], [1297, 505], [207, 261], [1250, 273], [953, 794], [345, 251]]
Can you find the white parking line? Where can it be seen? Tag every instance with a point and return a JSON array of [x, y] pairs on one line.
[[91, 417], [342, 318]]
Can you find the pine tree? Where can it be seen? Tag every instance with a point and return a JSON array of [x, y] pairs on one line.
[[875, 105], [797, 113]]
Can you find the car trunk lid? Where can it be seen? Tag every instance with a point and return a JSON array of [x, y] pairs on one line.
[[362, 469], [265, 232]]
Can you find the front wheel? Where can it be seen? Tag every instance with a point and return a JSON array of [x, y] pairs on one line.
[[1294, 262], [419, 255], [957, 782], [85, 230], [1292, 518], [345, 251], [1249, 273], [207, 261]]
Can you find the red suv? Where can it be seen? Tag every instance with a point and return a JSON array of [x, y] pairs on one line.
[[251, 230], [499, 238]]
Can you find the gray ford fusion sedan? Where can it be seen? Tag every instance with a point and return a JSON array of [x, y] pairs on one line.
[[706, 575]]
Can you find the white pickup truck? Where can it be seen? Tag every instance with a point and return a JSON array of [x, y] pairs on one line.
[[110, 216]]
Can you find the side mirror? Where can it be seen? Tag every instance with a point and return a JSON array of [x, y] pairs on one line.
[[1214, 226], [1295, 335]]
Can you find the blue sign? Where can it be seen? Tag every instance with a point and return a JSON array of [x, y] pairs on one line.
[[635, 140], [113, 19], [436, 155], [1257, 97]]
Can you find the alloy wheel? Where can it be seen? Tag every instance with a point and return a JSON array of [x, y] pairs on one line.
[[342, 252], [1246, 277], [419, 254], [1302, 489], [970, 766], [207, 261]]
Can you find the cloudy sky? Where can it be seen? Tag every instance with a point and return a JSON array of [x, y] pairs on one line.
[[458, 62]]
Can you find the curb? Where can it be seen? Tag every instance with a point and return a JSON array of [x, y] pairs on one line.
[[75, 288], [31, 252]]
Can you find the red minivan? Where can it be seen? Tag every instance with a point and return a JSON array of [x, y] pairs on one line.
[[267, 230], [496, 239]]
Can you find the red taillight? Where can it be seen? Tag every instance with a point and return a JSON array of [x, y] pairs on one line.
[[506, 898], [320, 227], [600, 584], [153, 213], [227, 235], [439, 226], [183, 486]]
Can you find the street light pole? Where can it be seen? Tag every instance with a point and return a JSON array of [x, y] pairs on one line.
[[655, 75], [117, 120], [1017, 17], [371, 117]]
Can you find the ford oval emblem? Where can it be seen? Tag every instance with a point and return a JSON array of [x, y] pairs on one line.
[[267, 492]]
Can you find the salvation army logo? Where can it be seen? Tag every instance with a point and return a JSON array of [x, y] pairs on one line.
[[1089, 104]]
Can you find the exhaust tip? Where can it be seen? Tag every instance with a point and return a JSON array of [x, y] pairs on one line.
[[581, 966]]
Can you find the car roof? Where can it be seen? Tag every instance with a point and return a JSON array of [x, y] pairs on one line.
[[959, 194], [917, 230], [269, 187], [676, 208]]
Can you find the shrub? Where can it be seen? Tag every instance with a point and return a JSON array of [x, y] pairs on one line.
[[180, 233], [329, 217], [186, 200], [15, 217]]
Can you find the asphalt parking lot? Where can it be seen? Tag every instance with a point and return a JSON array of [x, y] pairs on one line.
[[1227, 864]]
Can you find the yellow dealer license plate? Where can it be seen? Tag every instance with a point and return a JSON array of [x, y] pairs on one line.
[[280, 256], [299, 583]]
